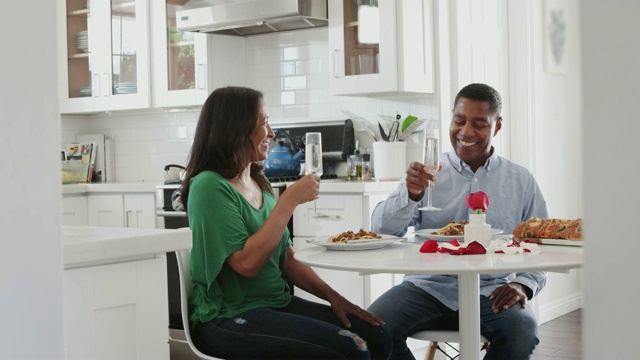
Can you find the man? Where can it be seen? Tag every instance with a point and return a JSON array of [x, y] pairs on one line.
[[430, 302]]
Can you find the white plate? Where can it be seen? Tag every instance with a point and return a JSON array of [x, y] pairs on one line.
[[427, 233], [355, 244]]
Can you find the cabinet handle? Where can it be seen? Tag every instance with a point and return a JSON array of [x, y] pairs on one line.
[[96, 85], [317, 215], [338, 64], [107, 83], [126, 218], [202, 73]]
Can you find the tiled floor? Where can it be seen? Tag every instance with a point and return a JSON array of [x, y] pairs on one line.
[[560, 339]]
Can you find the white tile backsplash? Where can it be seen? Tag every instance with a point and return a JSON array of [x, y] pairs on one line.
[[292, 71]]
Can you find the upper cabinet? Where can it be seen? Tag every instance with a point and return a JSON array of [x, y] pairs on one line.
[[381, 46], [187, 66], [104, 55]]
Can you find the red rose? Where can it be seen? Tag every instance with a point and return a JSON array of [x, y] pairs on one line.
[[478, 202]]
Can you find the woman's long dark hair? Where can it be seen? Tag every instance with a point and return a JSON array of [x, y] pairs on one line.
[[222, 142]]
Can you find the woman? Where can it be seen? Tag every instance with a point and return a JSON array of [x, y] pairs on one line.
[[242, 261]]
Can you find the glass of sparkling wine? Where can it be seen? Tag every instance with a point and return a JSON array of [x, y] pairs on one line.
[[313, 155], [431, 160]]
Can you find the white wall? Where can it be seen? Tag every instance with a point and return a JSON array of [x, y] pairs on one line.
[[611, 85], [31, 265], [290, 68]]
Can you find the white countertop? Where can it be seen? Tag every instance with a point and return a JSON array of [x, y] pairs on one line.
[[326, 186], [88, 246], [111, 187]]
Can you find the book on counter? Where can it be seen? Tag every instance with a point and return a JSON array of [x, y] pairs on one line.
[[82, 153]]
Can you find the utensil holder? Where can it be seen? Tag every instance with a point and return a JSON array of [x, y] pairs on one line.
[[389, 159]]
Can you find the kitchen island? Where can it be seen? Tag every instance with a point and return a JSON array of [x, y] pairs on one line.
[[115, 291]]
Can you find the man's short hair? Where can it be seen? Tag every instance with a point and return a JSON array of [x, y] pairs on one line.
[[484, 93]]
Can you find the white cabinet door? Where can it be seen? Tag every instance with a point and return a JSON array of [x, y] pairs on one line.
[[74, 211], [117, 311], [104, 55], [329, 215], [106, 210], [381, 46], [188, 66], [139, 211]]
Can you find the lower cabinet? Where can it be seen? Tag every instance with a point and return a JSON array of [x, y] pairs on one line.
[[117, 311], [74, 210], [122, 210], [332, 214]]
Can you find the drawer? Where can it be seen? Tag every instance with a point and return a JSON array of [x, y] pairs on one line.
[[332, 214]]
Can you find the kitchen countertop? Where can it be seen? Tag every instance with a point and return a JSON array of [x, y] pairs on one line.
[[111, 187], [326, 186], [89, 246]]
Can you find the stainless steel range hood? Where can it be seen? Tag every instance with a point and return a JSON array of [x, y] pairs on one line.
[[251, 17]]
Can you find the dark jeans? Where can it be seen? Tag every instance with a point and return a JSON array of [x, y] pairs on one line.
[[303, 329], [406, 309]]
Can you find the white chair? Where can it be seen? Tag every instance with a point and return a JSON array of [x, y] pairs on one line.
[[186, 287], [444, 336]]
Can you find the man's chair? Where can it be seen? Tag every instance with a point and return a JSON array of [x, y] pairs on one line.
[[441, 336], [186, 287]]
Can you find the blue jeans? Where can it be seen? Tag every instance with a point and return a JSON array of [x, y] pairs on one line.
[[407, 309], [301, 330]]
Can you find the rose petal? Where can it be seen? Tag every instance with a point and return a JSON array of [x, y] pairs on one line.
[[443, 249], [454, 242], [475, 248], [460, 251], [429, 246]]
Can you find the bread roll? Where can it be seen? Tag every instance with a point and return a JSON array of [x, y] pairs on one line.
[[549, 229]]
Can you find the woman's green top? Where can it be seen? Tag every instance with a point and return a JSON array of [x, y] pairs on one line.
[[221, 221]]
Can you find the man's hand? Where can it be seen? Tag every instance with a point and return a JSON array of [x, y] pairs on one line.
[[418, 179], [508, 295]]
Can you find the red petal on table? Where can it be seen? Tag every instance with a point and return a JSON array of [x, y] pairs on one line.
[[454, 242], [527, 250], [429, 246], [460, 251], [445, 250], [476, 248], [499, 252]]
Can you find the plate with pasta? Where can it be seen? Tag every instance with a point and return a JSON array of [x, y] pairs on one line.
[[433, 234], [350, 240]]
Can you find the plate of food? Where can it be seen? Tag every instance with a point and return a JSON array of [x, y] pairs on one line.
[[453, 230], [551, 231], [349, 240]]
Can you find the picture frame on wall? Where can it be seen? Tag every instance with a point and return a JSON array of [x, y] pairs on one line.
[[555, 22]]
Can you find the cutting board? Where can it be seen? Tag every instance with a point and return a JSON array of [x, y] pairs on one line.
[[551, 241]]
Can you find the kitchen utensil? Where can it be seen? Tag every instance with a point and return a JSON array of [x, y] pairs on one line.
[[282, 160], [174, 173]]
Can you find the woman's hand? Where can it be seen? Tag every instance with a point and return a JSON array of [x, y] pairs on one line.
[[304, 190], [418, 179], [343, 307]]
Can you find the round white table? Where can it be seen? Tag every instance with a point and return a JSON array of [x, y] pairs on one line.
[[405, 258]]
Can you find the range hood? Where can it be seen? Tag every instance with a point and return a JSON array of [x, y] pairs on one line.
[[251, 17]]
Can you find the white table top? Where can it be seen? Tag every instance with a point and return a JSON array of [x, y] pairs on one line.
[[405, 258]]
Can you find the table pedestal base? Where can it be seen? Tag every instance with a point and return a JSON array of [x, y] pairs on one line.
[[469, 316]]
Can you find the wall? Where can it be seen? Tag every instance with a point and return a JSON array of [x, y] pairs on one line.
[[31, 266], [291, 68], [611, 84]]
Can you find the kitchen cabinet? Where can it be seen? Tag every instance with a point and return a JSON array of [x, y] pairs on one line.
[[188, 66], [114, 311], [104, 55], [334, 213], [122, 210], [74, 210], [381, 46]]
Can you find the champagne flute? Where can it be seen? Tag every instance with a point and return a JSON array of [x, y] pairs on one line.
[[313, 155], [431, 160]]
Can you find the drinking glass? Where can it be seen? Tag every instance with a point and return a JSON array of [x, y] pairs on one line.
[[313, 155], [431, 160]]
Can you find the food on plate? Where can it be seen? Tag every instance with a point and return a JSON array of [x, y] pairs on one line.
[[568, 229], [452, 228], [346, 236]]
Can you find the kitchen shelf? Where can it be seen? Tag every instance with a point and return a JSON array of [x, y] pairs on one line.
[[79, 56]]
